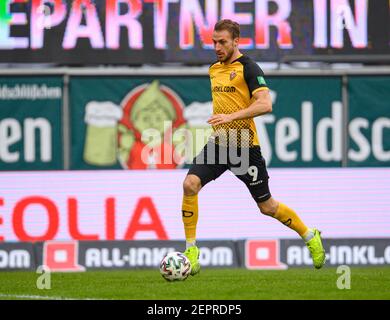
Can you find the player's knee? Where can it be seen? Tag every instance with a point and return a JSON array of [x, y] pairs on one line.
[[191, 185], [268, 208]]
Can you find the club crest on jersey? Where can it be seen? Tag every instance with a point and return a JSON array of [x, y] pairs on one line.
[[232, 75]]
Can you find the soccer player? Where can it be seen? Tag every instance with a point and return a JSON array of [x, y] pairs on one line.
[[239, 94]]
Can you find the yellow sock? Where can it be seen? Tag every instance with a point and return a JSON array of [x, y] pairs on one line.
[[190, 217], [289, 218]]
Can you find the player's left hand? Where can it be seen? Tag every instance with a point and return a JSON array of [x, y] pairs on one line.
[[220, 119]]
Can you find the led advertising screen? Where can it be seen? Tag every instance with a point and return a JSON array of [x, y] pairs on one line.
[[146, 205], [134, 32]]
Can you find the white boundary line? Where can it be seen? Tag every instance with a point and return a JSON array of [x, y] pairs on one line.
[[36, 297]]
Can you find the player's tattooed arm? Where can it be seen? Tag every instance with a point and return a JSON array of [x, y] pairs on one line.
[[261, 105]]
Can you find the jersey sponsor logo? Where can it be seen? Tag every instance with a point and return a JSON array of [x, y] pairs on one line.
[[229, 89]]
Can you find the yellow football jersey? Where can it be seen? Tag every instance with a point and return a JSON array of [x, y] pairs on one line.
[[232, 89]]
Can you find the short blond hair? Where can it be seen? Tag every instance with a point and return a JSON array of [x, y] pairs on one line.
[[229, 25]]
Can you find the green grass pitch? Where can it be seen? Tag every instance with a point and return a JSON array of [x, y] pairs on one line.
[[210, 284]]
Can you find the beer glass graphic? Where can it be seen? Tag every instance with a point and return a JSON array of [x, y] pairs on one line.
[[100, 147], [196, 115]]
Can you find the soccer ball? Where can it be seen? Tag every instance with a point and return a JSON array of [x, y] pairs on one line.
[[175, 266]]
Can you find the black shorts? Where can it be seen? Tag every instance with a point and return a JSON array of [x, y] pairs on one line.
[[247, 164]]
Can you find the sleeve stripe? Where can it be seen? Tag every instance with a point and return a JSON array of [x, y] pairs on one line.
[[259, 89]]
